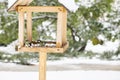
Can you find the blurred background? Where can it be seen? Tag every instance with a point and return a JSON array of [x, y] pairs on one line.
[[93, 30]]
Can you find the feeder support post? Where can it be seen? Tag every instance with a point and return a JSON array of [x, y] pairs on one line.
[[42, 65]]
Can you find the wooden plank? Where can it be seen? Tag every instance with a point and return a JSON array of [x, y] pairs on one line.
[[21, 29], [43, 49], [40, 8], [66, 46], [29, 26], [59, 30], [19, 2], [35, 49], [42, 65], [64, 27]]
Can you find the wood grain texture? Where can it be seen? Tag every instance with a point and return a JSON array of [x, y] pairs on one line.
[[59, 30], [29, 26], [40, 8], [64, 27], [21, 29], [42, 65]]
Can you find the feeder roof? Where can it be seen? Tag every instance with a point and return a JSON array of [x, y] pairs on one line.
[[19, 2]]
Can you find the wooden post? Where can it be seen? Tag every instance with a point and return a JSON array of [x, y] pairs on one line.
[[59, 30], [21, 29], [64, 27], [42, 65], [40, 8], [29, 26]]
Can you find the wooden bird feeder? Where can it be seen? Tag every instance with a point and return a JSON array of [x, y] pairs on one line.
[[60, 45]]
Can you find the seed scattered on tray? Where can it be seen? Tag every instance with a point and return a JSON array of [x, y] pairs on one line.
[[40, 43]]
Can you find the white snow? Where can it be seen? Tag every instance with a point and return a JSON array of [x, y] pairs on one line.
[[102, 37], [1, 0], [86, 3], [107, 46], [70, 61], [8, 64], [69, 4], [116, 5], [82, 60], [1, 31], [9, 48], [63, 75], [44, 26], [11, 2]]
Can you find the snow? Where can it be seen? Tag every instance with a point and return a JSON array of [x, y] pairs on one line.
[[82, 60], [7, 64], [18, 76], [11, 2], [9, 48], [69, 4], [83, 75], [86, 3], [69, 61], [1, 0], [63, 75], [1, 31], [44, 26], [107, 46], [116, 5]]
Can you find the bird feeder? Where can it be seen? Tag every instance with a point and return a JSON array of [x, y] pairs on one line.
[[28, 45]]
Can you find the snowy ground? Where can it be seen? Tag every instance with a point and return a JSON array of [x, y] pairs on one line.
[[66, 69], [62, 75], [69, 64]]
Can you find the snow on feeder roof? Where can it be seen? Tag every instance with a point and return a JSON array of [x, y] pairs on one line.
[[19, 3]]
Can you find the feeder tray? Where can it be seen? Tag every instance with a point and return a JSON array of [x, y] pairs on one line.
[[49, 47], [40, 43]]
